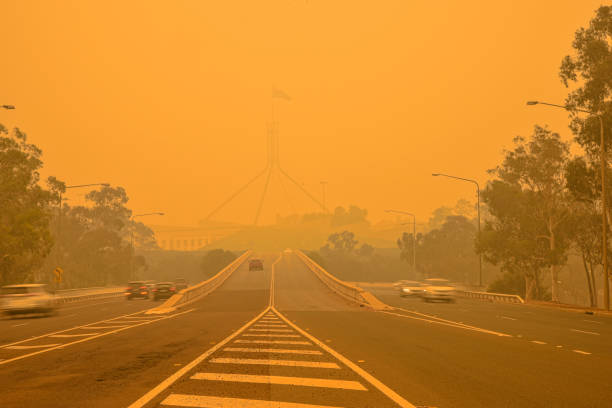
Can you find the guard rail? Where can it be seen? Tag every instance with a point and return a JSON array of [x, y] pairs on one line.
[[193, 293], [98, 294], [344, 289], [492, 297]]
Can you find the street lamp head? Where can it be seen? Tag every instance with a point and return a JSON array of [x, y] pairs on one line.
[[532, 103], [435, 174], [8, 106]]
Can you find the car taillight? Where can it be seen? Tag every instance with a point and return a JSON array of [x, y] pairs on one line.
[[154, 290], [172, 289], [143, 287]]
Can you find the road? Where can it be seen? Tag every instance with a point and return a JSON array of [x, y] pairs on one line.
[[283, 336]]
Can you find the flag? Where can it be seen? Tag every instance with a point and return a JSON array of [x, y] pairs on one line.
[[277, 93]]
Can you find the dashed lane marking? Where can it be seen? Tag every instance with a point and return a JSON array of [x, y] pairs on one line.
[[201, 401], [581, 352], [269, 362], [273, 351], [272, 379], [538, 342], [272, 335], [271, 330], [102, 327], [507, 318]]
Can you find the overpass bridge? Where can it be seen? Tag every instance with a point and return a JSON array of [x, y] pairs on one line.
[[287, 338]]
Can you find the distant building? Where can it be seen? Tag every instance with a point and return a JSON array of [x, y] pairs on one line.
[[173, 238]]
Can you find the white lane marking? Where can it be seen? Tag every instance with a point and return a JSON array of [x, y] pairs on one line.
[[508, 318], [272, 284], [65, 330], [559, 346], [395, 397], [272, 330], [274, 379], [286, 363], [444, 323], [581, 352], [592, 321], [201, 401], [537, 342], [17, 325], [273, 351], [585, 332], [30, 347], [270, 325], [73, 335], [102, 327], [273, 342], [272, 335], [81, 340], [142, 401]]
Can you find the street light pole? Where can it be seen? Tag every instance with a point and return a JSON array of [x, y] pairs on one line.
[[132, 237], [59, 218], [413, 235], [323, 185], [478, 205], [604, 208]]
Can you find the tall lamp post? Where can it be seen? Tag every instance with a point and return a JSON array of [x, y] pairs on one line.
[[132, 237], [604, 216], [413, 235], [478, 208]]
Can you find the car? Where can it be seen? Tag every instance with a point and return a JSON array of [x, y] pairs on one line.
[[256, 265], [137, 289], [438, 289], [411, 288], [164, 290], [180, 284], [27, 298], [397, 285]]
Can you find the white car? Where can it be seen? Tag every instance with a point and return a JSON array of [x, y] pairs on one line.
[[438, 289], [411, 288], [26, 298]]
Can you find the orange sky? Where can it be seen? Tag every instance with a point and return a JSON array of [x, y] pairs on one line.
[[170, 99]]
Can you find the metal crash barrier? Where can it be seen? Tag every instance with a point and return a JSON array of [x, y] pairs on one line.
[[491, 297], [65, 296], [193, 293]]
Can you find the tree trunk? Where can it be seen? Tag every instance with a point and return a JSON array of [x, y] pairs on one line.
[[589, 280], [554, 290], [594, 284], [528, 288]]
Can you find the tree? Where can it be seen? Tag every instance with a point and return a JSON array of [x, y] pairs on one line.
[[25, 237], [343, 242], [215, 260], [529, 205]]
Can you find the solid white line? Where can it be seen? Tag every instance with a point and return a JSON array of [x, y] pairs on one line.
[[273, 351], [273, 341], [17, 325], [82, 340], [274, 379], [142, 401], [581, 352], [585, 332], [592, 321], [453, 324], [537, 342], [73, 335], [201, 401], [30, 347], [272, 330], [102, 327], [287, 363], [507, 318], [269, 325], [272, 335], [360, 371]]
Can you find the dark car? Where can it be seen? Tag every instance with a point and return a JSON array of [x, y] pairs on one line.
[[256, 265], [180, 284], [164, 290], [137, 289]]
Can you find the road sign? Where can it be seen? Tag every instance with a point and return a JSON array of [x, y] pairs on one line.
[[58, 272]]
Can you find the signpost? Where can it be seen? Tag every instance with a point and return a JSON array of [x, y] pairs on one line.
[[58, 274]]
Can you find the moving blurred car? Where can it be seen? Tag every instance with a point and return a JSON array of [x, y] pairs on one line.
[[137, 289], [180, 284], [411, 288], [27, 298], [438, 289], [256, 265], [164, 290]]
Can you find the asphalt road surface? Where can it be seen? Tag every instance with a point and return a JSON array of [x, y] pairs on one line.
[[284, 340]]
